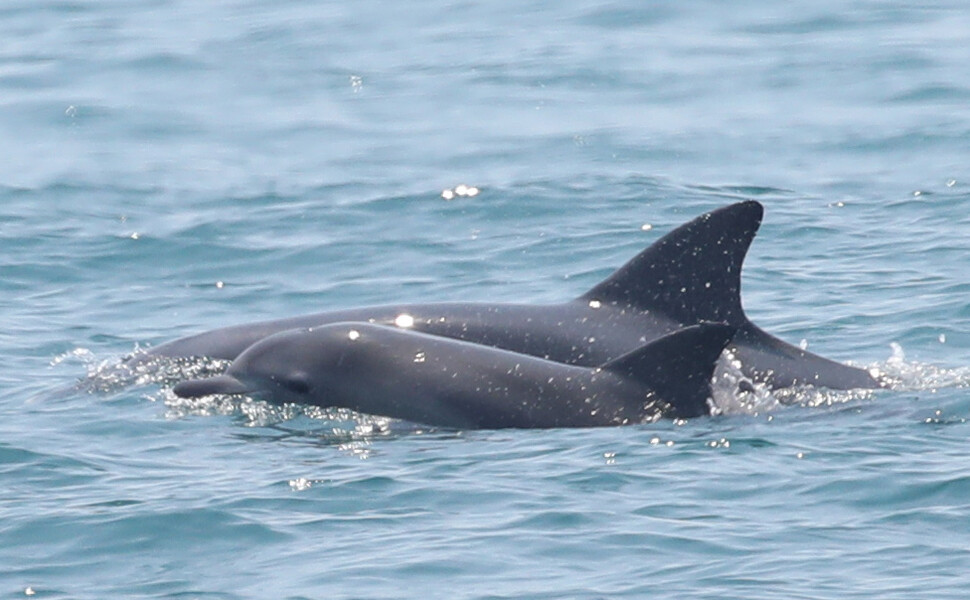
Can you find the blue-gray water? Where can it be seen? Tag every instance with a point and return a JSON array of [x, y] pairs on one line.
[[169, 167]]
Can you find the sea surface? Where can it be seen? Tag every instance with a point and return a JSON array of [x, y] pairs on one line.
[[170, 167]]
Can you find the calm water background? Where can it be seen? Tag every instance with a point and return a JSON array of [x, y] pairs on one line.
[[171, 166]]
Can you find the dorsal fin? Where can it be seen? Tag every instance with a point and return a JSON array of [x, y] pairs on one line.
[[678, 367], [693, 273]]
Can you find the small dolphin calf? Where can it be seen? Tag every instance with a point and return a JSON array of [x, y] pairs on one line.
[[442, 382], [689, 276]]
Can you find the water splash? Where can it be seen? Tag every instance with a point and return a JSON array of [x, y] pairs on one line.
[[138, 369], [732, 393], [909, 376], [352, 431]]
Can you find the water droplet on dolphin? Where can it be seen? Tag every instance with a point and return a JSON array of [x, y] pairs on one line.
[[404, 320]]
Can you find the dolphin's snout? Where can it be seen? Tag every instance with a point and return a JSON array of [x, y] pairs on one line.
[[222, 384]]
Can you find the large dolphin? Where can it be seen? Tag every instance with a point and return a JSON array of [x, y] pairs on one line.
[[387, 371], [689, 276]]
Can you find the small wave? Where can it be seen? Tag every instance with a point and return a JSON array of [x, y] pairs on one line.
[[296, 419]]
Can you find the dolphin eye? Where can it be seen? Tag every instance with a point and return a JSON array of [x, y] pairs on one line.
[[297, 385]]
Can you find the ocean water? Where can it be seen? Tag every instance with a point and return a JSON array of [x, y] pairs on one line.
[[171, 167]]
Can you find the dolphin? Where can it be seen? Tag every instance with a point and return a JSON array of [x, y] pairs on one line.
[[442, 382], [689, 276]]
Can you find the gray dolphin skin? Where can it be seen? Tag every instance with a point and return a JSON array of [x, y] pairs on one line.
[[442, 382], [689, 276]]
